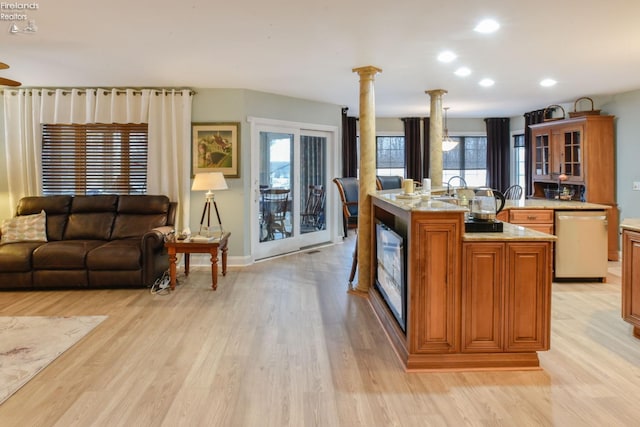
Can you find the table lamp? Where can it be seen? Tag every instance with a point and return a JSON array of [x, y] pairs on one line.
[[209, 182]]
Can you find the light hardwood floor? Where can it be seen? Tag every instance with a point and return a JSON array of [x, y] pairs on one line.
[[281, 343]]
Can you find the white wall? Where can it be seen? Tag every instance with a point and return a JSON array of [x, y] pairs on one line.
[[459, 125]]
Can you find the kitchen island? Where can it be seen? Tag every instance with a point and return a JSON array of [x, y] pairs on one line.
[[630, 229], [468, 300]]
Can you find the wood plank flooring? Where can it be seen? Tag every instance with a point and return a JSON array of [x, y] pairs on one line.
[[281, 343]]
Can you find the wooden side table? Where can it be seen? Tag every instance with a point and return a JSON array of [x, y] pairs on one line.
[[175, 247]]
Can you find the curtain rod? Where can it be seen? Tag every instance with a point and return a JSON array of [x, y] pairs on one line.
[[119, 91]]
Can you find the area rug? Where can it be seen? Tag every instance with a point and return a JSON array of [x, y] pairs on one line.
[[28, 344]]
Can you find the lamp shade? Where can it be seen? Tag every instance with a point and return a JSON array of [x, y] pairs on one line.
[[209, 181], [448, 144]]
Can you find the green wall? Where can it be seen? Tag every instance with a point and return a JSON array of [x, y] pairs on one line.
[[236, 105]]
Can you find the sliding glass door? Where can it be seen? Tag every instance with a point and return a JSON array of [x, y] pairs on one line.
[[290, 178]]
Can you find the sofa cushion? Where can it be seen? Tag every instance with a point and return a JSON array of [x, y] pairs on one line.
[[101, 203], [89, 226], [91, 218], [25, 228], [16, 257], [63, 255], [56, 207], [139, 214], [124, 254]]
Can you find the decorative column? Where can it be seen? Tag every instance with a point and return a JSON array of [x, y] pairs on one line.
[[435, 137], [367, 179]]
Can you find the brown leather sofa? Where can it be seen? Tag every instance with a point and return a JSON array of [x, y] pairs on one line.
[[101, 241]]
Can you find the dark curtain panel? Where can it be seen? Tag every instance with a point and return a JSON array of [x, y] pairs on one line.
[[426, 158], [412, 149], [498, 144], [530, 118], [312, 162], [349, 145]]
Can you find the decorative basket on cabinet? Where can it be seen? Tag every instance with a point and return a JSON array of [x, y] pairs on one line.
[[549, 110], [576, 113]]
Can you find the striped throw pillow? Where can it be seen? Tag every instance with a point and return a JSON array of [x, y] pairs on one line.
[[25, 228]]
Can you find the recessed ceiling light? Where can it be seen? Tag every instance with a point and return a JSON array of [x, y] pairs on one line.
[[487, 26], [548, 82], [447, 56], [486, 82], [462, 72]]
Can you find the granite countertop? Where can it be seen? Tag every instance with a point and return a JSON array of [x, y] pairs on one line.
[[632, 224], [552, 204], [510, 232], [417, 203]]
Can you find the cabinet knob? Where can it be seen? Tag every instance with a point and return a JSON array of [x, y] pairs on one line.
[[531, 217]]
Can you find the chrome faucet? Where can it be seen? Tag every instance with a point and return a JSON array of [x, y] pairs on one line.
[[462, 181]]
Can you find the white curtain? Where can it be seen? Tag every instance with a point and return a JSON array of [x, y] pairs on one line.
[[167, 112]]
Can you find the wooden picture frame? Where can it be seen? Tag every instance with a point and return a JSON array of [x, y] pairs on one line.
[[216, 148]]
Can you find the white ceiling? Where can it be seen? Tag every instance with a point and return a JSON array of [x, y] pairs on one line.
[[307, 49]]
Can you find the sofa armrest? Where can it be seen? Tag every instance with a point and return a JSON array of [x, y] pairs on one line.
[[155, 238]]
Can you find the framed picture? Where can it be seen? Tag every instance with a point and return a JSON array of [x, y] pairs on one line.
[[216, 148]]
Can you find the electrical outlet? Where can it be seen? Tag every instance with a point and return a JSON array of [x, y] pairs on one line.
[[636, 186]]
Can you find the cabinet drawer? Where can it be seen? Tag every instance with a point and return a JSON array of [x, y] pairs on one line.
[[545, 228], [531, 216]]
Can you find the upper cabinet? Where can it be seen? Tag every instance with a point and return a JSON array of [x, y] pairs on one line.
[[582, 149]]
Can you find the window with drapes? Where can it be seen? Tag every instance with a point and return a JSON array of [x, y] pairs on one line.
[[85, 159], [519, 155], [468, 160], [390, 157]]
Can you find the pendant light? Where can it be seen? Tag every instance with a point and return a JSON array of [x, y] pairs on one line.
[[448, 144]]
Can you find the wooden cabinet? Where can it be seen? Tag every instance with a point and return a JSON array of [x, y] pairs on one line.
[[434, 275], [536, 219], [582, 148], [483, 274], [631, 279], [506, 297], [528, 296]]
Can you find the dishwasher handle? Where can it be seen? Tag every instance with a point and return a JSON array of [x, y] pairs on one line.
[[582, 218]]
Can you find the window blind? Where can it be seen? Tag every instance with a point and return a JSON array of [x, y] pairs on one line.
[[88, 159]]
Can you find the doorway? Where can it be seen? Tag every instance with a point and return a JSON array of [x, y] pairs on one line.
[[290, 177]]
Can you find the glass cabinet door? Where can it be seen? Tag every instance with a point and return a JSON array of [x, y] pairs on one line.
[[572, 155], [541, 153]]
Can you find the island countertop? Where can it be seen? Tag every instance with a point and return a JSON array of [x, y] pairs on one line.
[[632, 224], [420, 203], [416, 204], [510, 232]]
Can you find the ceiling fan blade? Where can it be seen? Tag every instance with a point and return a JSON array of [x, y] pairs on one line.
[[3, 66], [9, 82]]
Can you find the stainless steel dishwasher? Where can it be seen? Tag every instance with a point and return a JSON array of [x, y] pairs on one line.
[[581, 248]]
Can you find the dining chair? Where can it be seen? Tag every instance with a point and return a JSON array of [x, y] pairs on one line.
[[384, 182], [275, 206], [312, 218], [513, 192], [348, 188]]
